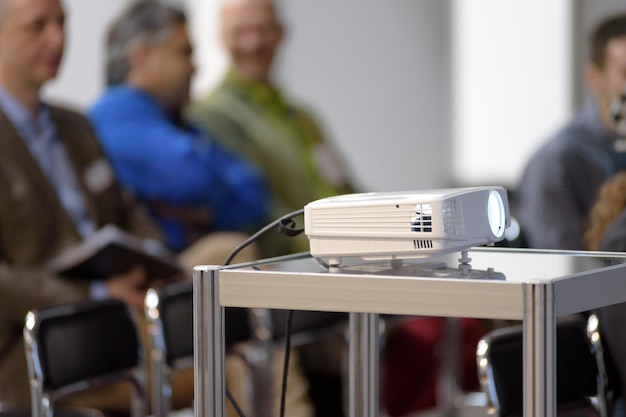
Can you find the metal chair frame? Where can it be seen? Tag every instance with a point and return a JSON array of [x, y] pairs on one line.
[[161, 369]]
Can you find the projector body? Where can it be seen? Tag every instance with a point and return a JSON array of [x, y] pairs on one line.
[[397, 225]]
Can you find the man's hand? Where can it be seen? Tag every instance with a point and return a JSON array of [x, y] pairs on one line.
[[129, 287]]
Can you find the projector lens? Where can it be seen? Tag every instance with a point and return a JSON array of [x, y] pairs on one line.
[[496, 214]]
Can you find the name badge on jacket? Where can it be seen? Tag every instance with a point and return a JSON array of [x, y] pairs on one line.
[[98, 176]]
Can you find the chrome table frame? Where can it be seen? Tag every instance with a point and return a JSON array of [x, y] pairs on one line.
[[534, 299]]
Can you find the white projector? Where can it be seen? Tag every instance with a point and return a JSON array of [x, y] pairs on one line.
[[397, 225]]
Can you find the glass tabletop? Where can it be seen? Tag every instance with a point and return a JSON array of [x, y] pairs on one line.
[[491, 263]]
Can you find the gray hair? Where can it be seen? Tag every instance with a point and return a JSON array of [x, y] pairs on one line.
[[146, 22]]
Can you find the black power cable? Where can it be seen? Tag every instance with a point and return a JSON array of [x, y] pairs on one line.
[[234, 402], [283, 391], [286, 226]]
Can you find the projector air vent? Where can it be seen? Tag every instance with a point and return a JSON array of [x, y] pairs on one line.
[[423, 244]]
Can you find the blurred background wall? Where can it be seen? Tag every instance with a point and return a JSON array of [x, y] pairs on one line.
[[416, 93]]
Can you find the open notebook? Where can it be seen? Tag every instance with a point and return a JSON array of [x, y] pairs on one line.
[[111, 251]]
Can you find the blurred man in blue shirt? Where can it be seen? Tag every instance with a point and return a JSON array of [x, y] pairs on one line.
[[191, 185]]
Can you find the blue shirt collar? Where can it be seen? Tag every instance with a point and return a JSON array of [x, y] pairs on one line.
[[20, 117]]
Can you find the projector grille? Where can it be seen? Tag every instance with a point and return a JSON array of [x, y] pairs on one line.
[[423, 244], [452, 216]]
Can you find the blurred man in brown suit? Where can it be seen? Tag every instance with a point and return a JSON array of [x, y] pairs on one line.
[[56, 188]]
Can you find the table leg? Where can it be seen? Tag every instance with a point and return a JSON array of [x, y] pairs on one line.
[[364, 359], [448, 390], [208, 345], [539, 351]]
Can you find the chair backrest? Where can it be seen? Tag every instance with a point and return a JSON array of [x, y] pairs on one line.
[[169, 313], [78, 346], [580, 369]]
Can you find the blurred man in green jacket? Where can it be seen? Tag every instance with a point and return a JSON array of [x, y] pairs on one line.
[[249, 113]]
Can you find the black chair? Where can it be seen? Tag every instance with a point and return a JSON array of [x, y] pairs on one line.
[[580, 371], [79, 346], [169, 314]]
